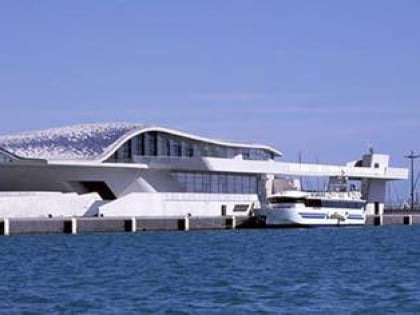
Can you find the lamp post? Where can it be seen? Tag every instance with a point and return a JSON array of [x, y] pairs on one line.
[[412, 157]]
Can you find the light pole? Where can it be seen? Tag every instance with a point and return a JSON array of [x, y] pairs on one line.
[[412, 157]]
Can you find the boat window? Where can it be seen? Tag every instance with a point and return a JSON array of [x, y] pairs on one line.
[[286, 200], [342, 204], [246, 154], [314, 203]]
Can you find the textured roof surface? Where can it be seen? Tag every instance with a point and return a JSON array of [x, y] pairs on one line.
[[88, 141], [79, 142]]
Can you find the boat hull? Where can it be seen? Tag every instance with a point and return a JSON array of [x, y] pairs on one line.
[[303, 216]]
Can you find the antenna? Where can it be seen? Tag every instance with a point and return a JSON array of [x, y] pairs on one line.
[[412, 157]]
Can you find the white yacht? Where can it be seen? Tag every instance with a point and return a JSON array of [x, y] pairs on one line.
[[330, 208]]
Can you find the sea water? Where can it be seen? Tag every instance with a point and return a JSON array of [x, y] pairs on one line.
[[326, 270]]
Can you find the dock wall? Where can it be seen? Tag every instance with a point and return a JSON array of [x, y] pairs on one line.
[[393, 219], [73, 225], [80, 225]]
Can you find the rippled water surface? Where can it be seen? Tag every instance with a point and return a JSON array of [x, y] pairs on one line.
[[355, 270]]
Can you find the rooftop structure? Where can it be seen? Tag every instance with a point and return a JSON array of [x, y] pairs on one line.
[[94, 142]]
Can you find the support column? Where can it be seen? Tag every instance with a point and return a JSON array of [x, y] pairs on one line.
[[187, 223], [233, 222], [373, 191], [73, 226], [6, 226], [133, 224]]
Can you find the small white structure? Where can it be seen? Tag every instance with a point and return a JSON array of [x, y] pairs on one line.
[[121, 169]]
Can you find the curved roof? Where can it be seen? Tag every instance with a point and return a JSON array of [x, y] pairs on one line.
[[90, 141]]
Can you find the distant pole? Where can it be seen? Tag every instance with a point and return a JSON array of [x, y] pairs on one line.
[[300, 170], [412, 157]]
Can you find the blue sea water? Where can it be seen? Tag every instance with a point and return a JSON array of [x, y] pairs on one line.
[[327, 270]]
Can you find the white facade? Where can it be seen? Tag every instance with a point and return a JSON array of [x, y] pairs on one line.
[[152, 171], [48, 204], [184, 204]]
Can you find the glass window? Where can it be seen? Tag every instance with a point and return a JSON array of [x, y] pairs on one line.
[[205, 150], [198, 183], [214, 183], [134, 146], [254, 184], [222, 183], [218, 151], [231, 153], [140, 144], [189, 149], [190, 182], [162, 145], [246, 154], [137, 145], [246, 188], [238, 184], [150, 138], [181, 178], [206, 183], [197, 150], [258, 154], [231, 184], [167, 146], [176, 148], [124, 152], [217, 183]]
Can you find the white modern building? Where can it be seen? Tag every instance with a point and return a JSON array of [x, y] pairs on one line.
[[121, 169]]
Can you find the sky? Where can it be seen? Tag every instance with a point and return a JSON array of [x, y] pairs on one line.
[[324, 79]]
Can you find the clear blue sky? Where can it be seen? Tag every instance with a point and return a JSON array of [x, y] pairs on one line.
[[327, 78]]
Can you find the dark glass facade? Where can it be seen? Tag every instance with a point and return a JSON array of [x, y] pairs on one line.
[[201, 182], [162, 144]]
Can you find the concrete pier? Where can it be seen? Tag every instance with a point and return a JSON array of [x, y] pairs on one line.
[[77, 225], [37, 226], [394, 219]]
